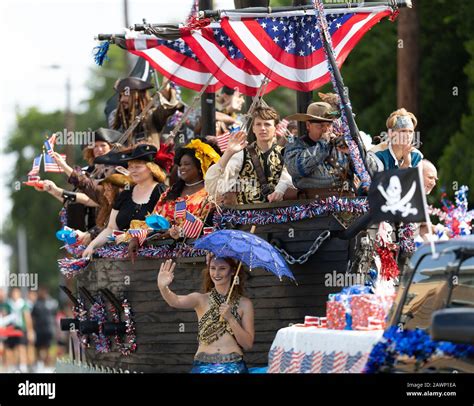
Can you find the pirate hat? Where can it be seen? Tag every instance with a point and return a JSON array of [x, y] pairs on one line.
[[132, 83], [103, 134], [318, 111]]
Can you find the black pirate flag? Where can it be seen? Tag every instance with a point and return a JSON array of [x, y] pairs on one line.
[[398, 195]]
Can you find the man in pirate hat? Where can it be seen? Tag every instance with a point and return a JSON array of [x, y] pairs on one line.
[[133, 97], [318, 165]]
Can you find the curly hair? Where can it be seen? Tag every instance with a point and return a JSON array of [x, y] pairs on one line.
[[177, 188]]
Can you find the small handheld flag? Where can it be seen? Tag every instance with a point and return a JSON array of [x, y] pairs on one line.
[[180, 209], [192, 226]]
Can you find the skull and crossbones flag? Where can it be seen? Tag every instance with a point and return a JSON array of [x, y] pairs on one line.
[[397, 195]]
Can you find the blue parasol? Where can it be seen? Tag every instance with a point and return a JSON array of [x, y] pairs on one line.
[[251, 250]]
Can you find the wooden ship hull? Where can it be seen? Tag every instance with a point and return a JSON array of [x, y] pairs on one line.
[[167, 337]]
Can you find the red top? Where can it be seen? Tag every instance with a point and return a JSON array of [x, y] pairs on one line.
[[196, 204]]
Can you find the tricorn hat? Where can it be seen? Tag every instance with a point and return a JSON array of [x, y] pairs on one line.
[[103, 134], [318, 111], [132, 83]]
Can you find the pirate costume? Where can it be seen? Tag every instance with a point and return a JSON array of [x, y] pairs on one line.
[[149, 128], [318, 168], [210, 329], [86, 180], [252, 174]]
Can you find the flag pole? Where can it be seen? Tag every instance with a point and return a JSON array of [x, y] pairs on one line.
[[272, 10], [427, 216]]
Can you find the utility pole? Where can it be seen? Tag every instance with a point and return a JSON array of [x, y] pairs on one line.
[[408, 57], [303, 99], [208, 100], [69, 123]]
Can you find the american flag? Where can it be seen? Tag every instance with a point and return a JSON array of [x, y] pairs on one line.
[[180, 209], [173, 59], [140, 233], [36, 166], [288, 49], [224, 60], [223, 140], [192, 226], [281, 128], [49, 144], [50, 164]]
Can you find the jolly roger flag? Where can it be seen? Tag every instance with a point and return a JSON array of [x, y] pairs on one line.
[[398, 195]]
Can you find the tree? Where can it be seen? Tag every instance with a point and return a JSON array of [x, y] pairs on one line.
[[38, 212]]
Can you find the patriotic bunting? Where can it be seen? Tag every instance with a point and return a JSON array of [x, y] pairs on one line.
[[173, 59], [288, 49], [224, 60]]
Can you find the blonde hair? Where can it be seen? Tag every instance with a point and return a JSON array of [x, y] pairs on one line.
[[155, 170], [392, 119]]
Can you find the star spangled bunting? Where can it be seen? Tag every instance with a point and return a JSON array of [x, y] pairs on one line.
[[192, 226], [288, 49], [223, 59], [140, 233], [36, 166], [50, 164], [180, 209], [173, 59]]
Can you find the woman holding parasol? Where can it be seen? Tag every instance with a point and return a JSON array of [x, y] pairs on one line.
[[225, 327]]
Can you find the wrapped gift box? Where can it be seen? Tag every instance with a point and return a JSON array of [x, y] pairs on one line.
[[369, 307], [336, 315]]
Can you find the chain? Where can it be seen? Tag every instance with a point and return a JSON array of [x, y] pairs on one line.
[[303, 258]]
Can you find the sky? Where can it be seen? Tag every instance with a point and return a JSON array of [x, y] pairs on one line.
[[40, 33]]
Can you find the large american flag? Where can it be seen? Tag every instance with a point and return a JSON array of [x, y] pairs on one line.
[[288, 49], [50, 164], [173, 59], [224, 60], [192, 226]]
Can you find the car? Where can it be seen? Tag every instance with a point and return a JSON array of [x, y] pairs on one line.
[[436, 295]]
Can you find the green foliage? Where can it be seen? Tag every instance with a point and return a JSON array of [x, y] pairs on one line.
[[38, 212]]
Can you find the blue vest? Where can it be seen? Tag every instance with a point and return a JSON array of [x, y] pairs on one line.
[[389, 162]]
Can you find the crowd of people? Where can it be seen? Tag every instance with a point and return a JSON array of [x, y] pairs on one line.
[[151, 171], [30, 338]]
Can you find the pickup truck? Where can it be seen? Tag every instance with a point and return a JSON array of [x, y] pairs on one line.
[[436, 295]]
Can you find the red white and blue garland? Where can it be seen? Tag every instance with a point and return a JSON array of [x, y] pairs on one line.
[[98, 313], [71, 267], [416, 344], [80, 313], [129, 345], [289, 214]]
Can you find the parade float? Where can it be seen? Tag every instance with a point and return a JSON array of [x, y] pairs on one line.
[[120, 321]]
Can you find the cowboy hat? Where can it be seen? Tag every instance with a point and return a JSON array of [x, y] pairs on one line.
[[317, 111]]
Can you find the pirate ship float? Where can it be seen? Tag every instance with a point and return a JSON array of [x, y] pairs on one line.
[[313, 236]]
